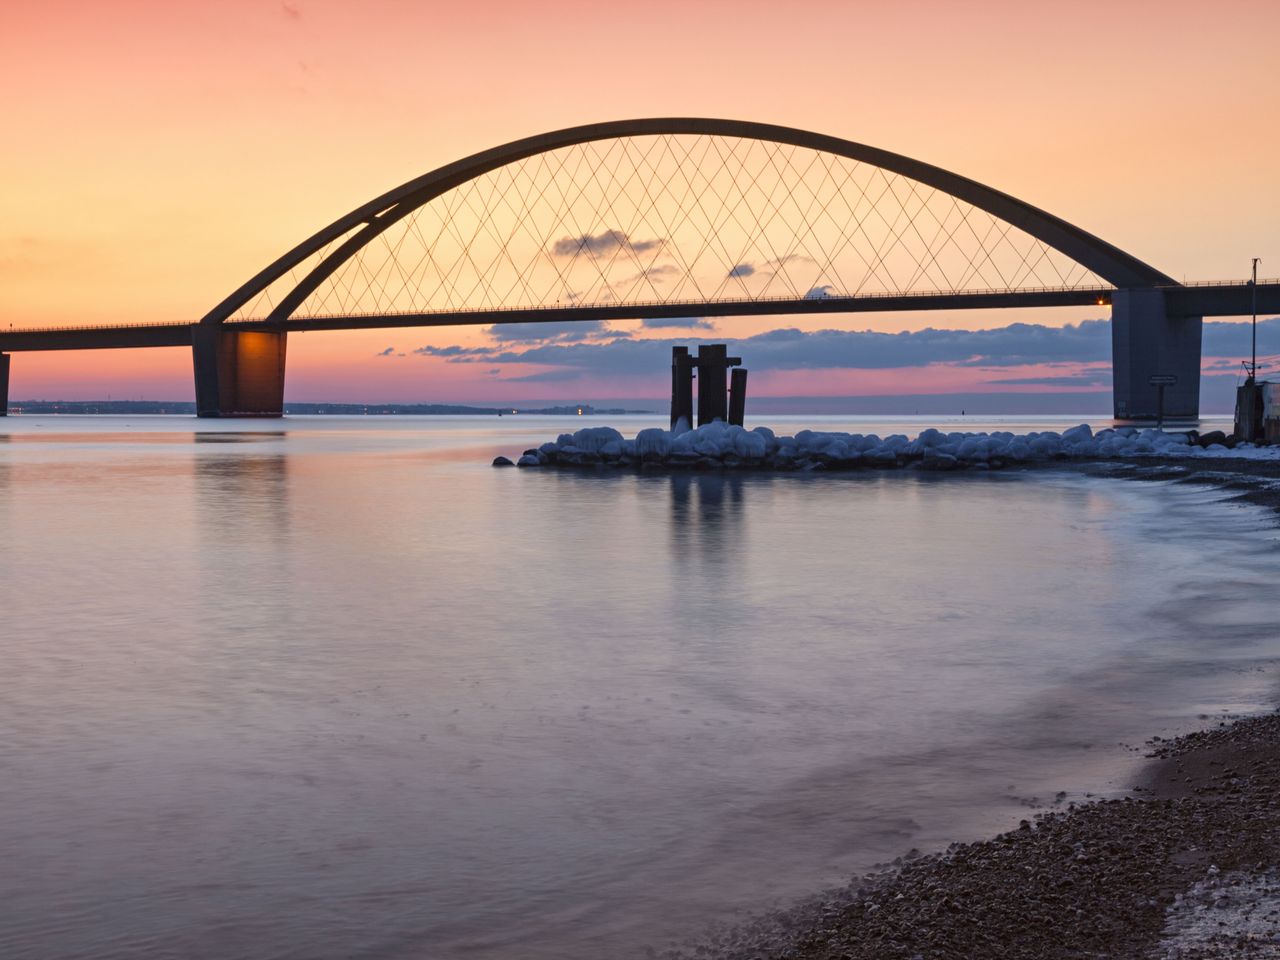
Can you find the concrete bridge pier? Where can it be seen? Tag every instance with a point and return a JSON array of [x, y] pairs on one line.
[[4, 384], [239, 373], [1145, 342]]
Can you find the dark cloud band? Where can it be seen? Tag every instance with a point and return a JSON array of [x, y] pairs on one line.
[[1018, 344]]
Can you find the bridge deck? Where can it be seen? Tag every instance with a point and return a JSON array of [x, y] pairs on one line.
[[1195, 299]]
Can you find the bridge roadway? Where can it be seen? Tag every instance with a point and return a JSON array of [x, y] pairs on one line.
[[1206, 299]]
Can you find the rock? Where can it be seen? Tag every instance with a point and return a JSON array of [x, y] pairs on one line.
[[503, 462], [1077, 434], [528, 460], [939, 461], [595, 439], [725, 446], [653, 443]]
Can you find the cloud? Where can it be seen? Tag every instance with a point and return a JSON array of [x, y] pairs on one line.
[[782, 261], [655, 274], [742, 270], [453, 351], [389, 352], [291, 10], [1231, 338], [787, 348], [1099, 379], [567, 331], [819, 293], [678, 323], [547, 376], [601, 244]]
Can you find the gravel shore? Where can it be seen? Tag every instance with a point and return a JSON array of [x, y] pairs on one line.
[[1187, 867], [1184, 869]]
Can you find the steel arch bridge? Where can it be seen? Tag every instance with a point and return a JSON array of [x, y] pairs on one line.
[[681, 213], [678, 217]]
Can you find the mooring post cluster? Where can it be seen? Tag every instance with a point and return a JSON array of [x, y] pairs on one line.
[[712, 363]]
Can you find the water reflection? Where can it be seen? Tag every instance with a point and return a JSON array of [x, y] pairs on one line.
[[707, 517], [242, 498], [240, 436], [358, 694], [244, 529], [6, 502]]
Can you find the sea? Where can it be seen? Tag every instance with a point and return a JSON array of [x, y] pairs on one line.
[[325, 687]]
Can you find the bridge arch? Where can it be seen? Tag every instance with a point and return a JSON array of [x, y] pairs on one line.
[[299, 273]]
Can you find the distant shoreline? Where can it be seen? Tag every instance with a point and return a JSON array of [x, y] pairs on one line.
[[186, 408]]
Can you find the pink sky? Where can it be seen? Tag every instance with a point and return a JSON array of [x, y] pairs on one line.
[[155, 155]]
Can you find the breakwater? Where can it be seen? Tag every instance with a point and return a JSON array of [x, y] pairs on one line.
[[718, 446]]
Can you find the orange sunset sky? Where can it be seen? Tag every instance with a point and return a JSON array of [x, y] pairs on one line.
[[154, 155]]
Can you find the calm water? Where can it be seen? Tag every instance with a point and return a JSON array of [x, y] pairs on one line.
[[327, 688]]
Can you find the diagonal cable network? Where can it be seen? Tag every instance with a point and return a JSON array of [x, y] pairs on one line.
[[676, 218]]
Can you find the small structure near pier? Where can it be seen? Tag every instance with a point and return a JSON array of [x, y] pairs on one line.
[[1258, 411], [712, 363]]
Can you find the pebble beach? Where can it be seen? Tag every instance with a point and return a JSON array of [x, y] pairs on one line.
[[1183, 869]]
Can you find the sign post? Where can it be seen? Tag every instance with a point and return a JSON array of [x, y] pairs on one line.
[[1160, 381]]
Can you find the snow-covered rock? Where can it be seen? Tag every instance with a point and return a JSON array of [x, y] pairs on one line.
[[721, 444], [594, 439], [653, 442]]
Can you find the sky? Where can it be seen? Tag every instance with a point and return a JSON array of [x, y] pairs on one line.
[[155, 155]]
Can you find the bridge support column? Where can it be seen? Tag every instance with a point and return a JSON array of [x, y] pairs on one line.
[[4, 384], [239, 373], [1145, 342]]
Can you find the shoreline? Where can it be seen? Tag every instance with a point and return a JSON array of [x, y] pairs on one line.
[[1184, 866], [1255, 482], [1171, 871]]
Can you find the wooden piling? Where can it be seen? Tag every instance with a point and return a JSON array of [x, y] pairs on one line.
[[712, 364], [737, 395], [681, 386]]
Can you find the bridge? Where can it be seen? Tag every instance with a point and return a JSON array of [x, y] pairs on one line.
[[680, 217]]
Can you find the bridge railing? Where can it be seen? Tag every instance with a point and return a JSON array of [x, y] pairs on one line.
[[695, 304], [1226, 283], [73, 328]]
